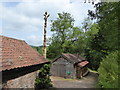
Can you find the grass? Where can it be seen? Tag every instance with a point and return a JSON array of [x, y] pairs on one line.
[[92, 70]]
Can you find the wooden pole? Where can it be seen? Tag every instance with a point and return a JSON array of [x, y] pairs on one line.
[[46, 15]]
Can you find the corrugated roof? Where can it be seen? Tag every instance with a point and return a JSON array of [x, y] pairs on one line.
[[17, 53]]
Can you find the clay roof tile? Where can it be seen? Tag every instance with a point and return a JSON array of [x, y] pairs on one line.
[[17, 53]]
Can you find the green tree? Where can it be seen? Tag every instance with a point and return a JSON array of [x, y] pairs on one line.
[[108, 71], [87, 23], [62, 28], [43, 80], [107, 18], [92, 55], [106, 40], [54, 49], [70, 39]]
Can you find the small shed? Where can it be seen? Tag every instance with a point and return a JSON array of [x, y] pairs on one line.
[[19, 63], [69, 66]]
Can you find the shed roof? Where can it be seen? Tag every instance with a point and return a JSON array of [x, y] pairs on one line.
[[17, 53], [74, 58], [83, 63]]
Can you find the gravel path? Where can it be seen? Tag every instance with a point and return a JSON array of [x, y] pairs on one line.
[[88, 81]]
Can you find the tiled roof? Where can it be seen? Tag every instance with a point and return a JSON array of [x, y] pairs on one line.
[[74, 58], [17, 53], [83, 63]]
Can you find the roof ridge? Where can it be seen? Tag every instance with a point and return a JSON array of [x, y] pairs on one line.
[[73, 57], [12, 38]]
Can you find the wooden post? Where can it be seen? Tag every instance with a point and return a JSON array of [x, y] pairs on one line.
[[46, 15]]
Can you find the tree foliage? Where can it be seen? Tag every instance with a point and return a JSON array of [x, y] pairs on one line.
[[62, 26], [70, 39], [43, 80], [106, 40], [62, 37], [107, 15], [108, 71]]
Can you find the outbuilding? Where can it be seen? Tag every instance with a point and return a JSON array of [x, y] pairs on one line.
[[69, 66], [19, 63]]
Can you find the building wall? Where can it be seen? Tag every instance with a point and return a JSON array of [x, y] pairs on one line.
[[62, 67], [25, 81], [20, 78]]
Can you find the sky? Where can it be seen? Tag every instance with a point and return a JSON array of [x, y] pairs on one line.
[[24, 19]]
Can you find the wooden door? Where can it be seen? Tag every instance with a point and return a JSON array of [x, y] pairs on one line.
[[61, 70]]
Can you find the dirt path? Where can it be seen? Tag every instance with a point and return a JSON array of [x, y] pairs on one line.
[[88, 81]]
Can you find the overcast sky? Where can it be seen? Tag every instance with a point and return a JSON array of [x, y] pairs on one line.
[[24, 20]]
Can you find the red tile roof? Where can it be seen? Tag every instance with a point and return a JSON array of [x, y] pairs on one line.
[[17, 53], [83, 63]]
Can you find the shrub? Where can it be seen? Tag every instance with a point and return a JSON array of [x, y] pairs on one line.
[[43, 80], [108, 71]]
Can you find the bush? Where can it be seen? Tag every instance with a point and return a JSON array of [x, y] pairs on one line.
[[108, 71], [43, 80]]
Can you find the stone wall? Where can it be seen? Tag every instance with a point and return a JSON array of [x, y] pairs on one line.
[[25, 81], [20, 78]]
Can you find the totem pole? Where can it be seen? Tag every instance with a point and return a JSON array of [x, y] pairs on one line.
[[46, 15]]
